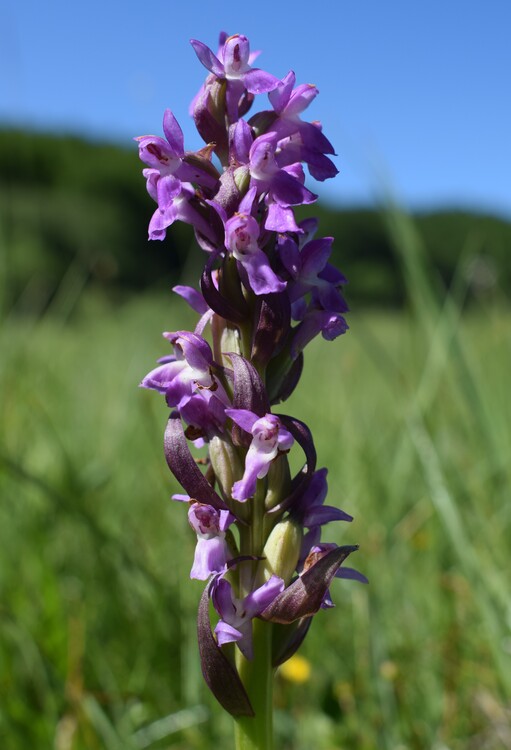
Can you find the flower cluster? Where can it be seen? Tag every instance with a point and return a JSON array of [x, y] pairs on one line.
[[267, 289]]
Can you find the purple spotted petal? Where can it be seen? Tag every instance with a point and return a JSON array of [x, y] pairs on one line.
[[161, 221]]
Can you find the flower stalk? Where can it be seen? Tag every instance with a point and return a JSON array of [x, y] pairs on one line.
[[256, 733], [267, 289]]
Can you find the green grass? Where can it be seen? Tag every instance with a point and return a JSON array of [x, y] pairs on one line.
[[410, 412]]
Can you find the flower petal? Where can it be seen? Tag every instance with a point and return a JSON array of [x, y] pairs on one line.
[[207, 58]]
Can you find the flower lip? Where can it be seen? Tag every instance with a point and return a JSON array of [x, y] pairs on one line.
[[241, 233], [204, 520], [269, 437]]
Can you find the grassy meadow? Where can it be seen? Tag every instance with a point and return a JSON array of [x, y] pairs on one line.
[[411, 412]]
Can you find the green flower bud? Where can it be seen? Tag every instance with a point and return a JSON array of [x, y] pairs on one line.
[[226, 338], [282, 550], [226, 464], [278, 482], [230, 342], [262, 122], [242, 179]]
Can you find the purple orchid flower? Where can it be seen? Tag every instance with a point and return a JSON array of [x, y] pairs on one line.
[[233, 65], [204, 411], [221, 41], [174, 206], [237, 614], [298, 140], [295, 148], [310, 272], [241, 239], [264, 270], [181, 374], [310, 510], [187, 383], [212, 551], [311, 513], [330, 325], [166, 158], [283, 188], [269, 437]]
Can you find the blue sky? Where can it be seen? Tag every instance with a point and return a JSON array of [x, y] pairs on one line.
[[415, 96]]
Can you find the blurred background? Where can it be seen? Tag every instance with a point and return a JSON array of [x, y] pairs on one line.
[[97, 612]]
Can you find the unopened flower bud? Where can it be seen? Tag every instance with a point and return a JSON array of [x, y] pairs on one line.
[[262, 121], [282, 550], [208, 109], [279, 482], [226, 463], [230, 342], [242, 179]]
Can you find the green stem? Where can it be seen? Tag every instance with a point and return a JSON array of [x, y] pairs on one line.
[[257, 676]]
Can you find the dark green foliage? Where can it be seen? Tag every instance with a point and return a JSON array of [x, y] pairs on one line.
[[67, 203]]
